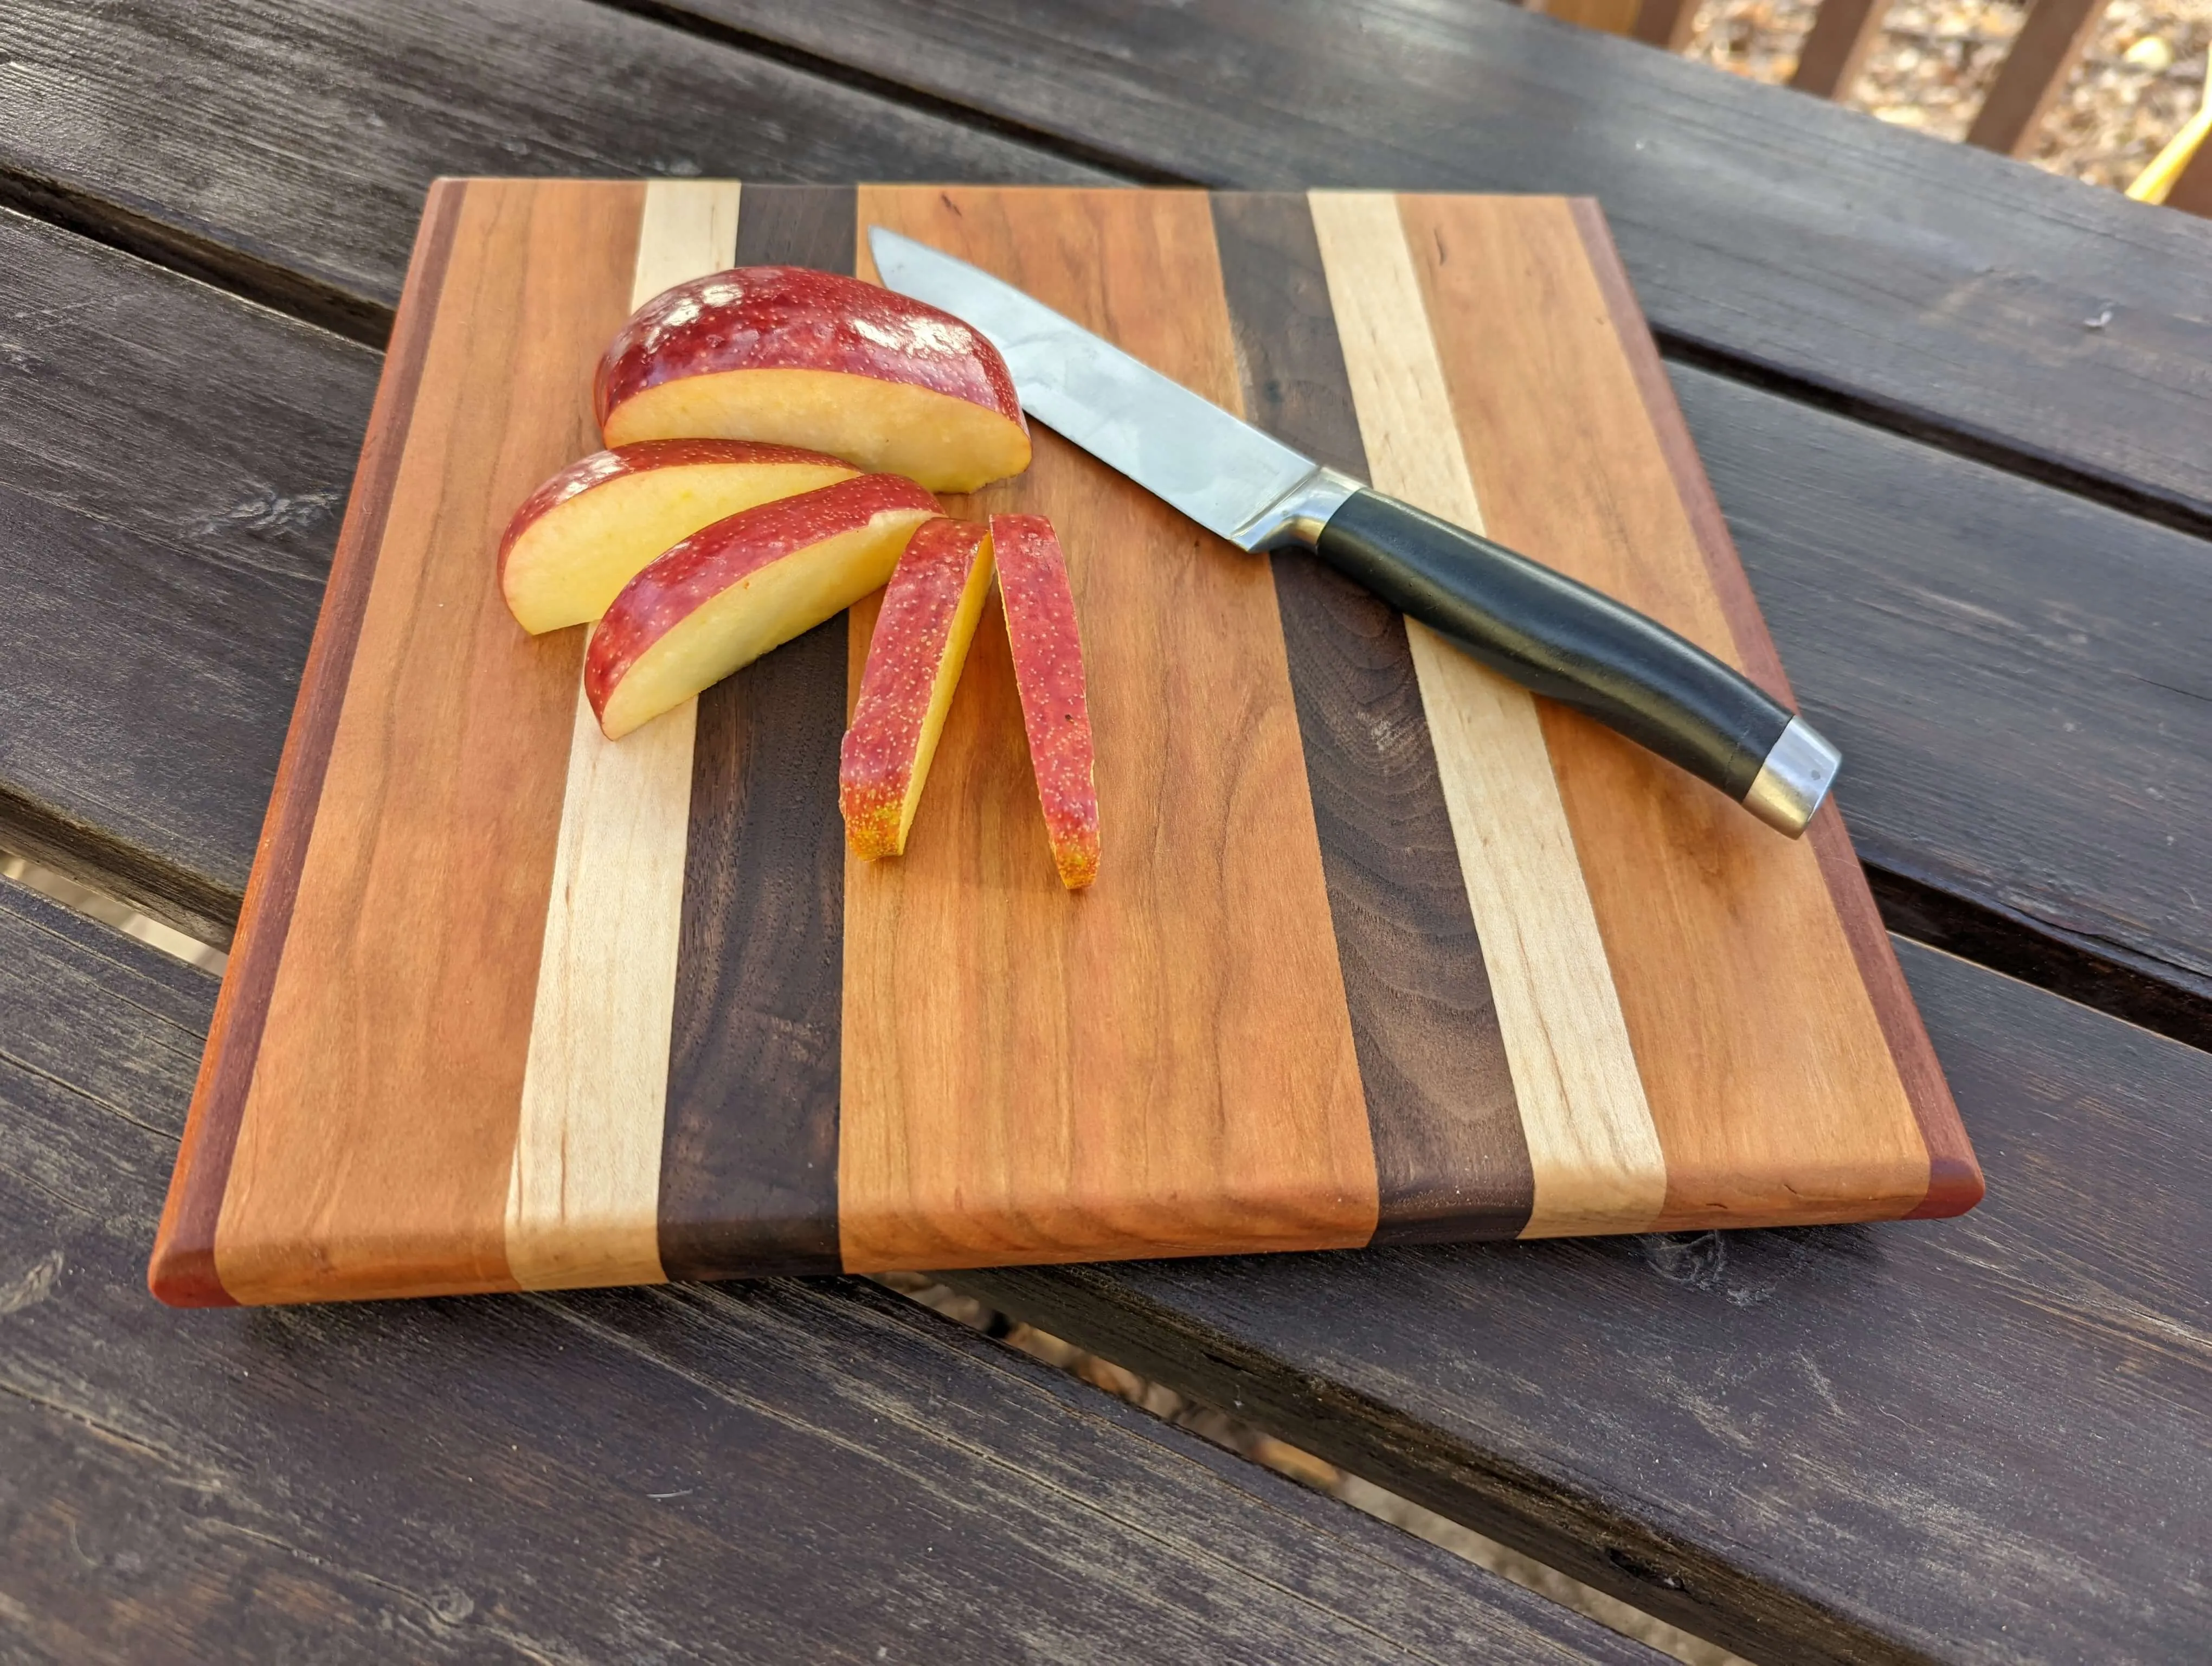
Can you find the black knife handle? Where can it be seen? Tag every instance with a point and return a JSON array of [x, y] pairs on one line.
[[1568, 641]]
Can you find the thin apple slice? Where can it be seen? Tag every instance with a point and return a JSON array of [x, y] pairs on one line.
[[915, 658], [732, 591], [816, 359], [1039, 607], [589, 529]]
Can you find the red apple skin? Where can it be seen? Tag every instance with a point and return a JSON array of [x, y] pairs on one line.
[[1040, 608], [914, 632], [675, 585], [792, 317], [603, 466]]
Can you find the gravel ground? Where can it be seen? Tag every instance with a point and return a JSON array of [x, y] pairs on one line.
[[2142, 77]]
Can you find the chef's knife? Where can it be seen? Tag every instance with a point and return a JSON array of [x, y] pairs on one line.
[[1538, 627]]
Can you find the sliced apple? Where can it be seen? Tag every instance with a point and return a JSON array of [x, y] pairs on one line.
[[589, 529], [915, 658], [1039, 607], [815, 359], [731, 591]]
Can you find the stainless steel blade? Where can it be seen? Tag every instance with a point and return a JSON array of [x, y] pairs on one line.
[[1221, 472]]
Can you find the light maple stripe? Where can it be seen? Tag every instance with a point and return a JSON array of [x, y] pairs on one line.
[[1592, 1145], [583, 1197]]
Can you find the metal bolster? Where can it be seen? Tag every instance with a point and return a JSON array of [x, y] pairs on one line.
[[1297, 516], [1795, 777]]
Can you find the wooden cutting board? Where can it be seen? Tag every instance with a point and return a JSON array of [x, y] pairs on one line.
[[1383, 949]]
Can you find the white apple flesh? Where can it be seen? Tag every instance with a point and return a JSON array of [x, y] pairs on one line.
[[592, 528], [731, 591]]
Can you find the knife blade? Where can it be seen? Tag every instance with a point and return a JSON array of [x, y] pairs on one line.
[[1526, 621]]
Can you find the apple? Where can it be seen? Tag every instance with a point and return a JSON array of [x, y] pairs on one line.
[[1040, 608], [816, 359], [915, 658], [585, 533], [731, 591]]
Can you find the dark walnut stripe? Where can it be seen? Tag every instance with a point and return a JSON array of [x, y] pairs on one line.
[[1451, 1159], [749, 1152], [183, 1271], [1954, 1177]]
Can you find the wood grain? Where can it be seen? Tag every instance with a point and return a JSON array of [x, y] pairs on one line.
[[1450, 1158], [574, 1477], [379, 1133], [1169, 1065], [1596, 1162], [1768, 1073], [584, 1199], [182, 1270], [1954, 1183], [1956, 315], [749, 1160], [1884, 1443]]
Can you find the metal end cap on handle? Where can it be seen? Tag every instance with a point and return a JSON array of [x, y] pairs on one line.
[[1795, 778]]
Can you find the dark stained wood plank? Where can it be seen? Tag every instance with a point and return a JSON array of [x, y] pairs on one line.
[[575, 1477], [749, 1152], [2020, 685], [1439, 1091], [174, 464], [1960, 305], [174, 467], [1978, 1438], [283, 150]]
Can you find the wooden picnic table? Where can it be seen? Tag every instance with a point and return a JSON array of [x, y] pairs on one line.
[[1959, 417]]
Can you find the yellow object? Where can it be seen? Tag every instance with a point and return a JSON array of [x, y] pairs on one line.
[[2154, 182]]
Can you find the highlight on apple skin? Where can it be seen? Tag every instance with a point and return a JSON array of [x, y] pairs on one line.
[[731, 591], [1040, 609], [590, 529], [914, 660], [799, 357]]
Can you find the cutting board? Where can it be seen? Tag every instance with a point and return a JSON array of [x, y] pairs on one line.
[[1383, 949]]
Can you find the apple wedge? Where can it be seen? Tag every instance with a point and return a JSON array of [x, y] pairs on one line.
[[815, 359], [588, 531], [1039, 607], [731, 591], [921, 642]]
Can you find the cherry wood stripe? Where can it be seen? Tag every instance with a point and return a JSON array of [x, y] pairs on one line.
[[379, 1133], [1450, 1158], [183, 1271], [583, 1198], [1164, 1064], [749, 1152], [1597, 1160], [1954, 1183], [1765, 1064]]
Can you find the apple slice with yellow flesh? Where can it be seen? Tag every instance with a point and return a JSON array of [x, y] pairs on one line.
[[731, 591], [797, 357], [915, 658], [588, 531], [1040, 608]]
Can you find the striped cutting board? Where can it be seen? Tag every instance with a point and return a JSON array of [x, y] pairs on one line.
[[1383, 950]]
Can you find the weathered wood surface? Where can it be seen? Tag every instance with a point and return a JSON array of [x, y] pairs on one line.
[[283, 150], [1941, 289], [769, 1472], [1978, 1439], [176, 463], [2021, 681], [173, 467]]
